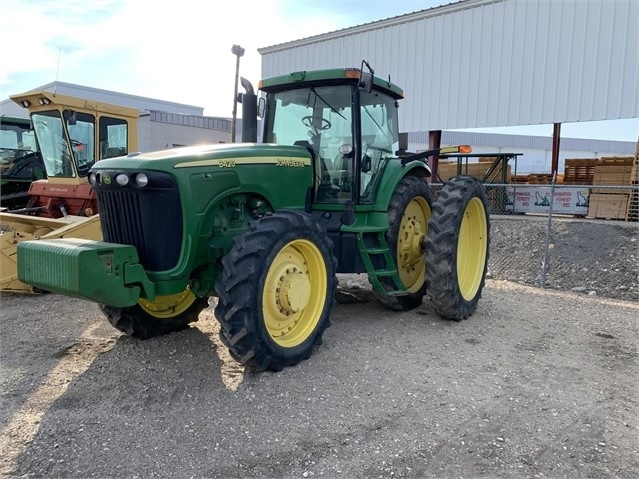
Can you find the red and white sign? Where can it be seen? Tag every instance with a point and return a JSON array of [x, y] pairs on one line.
[[536, 199]]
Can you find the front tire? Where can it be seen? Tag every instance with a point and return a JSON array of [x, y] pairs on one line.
[[408, 213], [166, 314], [457, 246], [276, 291]]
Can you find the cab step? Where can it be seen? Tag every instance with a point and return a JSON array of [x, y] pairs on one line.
[[377, 246]]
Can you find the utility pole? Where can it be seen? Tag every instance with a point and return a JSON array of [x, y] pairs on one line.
[[238, 51]]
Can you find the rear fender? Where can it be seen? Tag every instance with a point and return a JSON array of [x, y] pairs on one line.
[[393, 174]]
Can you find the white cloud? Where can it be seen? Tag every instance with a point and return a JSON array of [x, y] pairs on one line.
[[176, 51]]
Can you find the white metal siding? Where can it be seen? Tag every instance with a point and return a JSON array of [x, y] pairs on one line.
[[491, 63], [166, 135]]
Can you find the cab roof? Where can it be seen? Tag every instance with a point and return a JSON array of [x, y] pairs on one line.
[[329, 76]]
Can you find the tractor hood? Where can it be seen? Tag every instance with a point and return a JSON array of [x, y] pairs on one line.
[[205, 155]]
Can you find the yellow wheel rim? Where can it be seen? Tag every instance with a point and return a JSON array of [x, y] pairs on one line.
[[410, 254], [166, 307], [294, 293], [471, 249]]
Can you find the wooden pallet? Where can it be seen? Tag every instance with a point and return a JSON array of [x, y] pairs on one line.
[[520, 179], [579, 171]]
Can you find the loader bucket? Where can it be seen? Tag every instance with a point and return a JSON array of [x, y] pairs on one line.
[[15, 228]]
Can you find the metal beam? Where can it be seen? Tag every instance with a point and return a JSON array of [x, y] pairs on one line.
[[556, 137], [434, 142]]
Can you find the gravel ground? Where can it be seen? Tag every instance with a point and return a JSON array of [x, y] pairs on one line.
[[538, 383], [585, 256]]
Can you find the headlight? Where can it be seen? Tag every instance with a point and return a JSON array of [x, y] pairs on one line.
[[141, 180], [122, 179], [93, 179]]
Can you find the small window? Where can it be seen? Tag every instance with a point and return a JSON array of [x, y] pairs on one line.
[[114, 134]]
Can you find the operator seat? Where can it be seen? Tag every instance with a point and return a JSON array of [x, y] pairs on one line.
[[325, 188]]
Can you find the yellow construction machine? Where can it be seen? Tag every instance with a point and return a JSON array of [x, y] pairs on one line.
[[72, 134]]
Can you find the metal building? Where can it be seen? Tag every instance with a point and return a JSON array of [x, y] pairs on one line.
[[491, 63]]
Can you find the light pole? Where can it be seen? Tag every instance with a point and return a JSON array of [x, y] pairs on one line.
[[238, 51]]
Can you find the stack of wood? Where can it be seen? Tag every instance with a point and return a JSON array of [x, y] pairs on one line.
[[633, 204], [579, 171], [612, 192], [540, 178], [446, 169], [520, 179]]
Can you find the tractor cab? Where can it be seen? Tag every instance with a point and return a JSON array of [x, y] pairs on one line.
[[73, 134], [347, 122]]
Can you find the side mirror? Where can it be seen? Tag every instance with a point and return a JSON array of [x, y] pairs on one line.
[[261, 107], [366, 78], [366, 81]]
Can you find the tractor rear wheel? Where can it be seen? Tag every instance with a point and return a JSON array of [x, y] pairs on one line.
[[166, 314], [276, 291], [457, 248], [408, 213]]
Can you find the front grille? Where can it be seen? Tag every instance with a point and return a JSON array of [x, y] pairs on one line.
[[148, 218]]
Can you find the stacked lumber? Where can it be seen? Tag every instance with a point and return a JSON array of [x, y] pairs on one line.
[[520, 179], [633, 203], [540, 178], [537, 179], [447, 169], [611, 194], [579, 171], [613, 171]]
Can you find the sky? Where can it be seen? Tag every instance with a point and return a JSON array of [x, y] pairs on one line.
[[180, 51]]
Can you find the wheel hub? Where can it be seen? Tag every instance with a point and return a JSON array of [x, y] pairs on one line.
[[411, 245], [294, 292]]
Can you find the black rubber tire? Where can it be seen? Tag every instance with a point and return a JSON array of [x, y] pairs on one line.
[[407, 190], [462, 202], [136, 322], [242, 309]]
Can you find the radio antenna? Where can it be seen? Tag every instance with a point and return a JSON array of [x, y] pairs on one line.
[[57, 71]]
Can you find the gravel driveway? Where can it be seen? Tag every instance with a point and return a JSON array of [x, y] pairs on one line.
[[537, 383]]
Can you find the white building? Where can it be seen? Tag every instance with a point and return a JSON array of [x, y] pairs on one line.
[[493, 63], [162, 124]]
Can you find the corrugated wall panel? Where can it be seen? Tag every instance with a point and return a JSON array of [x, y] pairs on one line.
[[490, 63]]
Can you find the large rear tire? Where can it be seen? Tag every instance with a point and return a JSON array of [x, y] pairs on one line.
[[166, 314], [457, 248], [408, 213], [276, 291]]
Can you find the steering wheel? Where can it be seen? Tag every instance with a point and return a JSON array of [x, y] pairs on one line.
[[310, 120]]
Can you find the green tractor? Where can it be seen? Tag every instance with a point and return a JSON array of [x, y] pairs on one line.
[[266, 227]]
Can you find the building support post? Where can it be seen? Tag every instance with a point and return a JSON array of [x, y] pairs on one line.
[[556, 136], [434, 141]]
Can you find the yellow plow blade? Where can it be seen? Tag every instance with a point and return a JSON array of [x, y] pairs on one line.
[[16, 228]]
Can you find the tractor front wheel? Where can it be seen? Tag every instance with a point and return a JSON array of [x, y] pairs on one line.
[[457, 248], [276, 291], [166, 314]]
